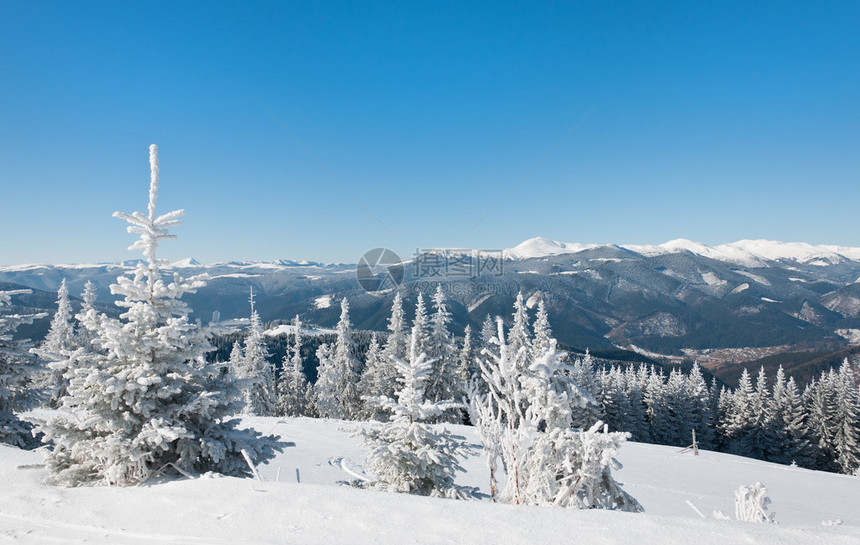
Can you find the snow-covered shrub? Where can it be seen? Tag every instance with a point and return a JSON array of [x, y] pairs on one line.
[[524, 419], [751, 504], [407, 454], [144, 396], [572, 468]]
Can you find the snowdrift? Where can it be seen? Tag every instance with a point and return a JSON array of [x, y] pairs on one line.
[[299, 501]]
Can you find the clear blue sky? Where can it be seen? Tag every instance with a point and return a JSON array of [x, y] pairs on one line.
[[713, 121]]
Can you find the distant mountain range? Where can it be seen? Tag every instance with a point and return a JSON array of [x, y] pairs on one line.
[[734, 302]]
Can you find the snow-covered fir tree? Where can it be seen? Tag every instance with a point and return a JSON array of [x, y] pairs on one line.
[[465, 358], [147, 398], [294, 394], [372, 381], [407, 454], [58, 344], [443, 383], [846, 435], [255, 370], [542, 329], [396, 346], [582, 373], [519, 336], [83, 337], [17, 369], [488, 331], [421, 324], [739, 421], [799, 446], [699, 399], [336, 389]]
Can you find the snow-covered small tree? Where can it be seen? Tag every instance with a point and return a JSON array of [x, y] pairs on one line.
[[407, 454], [336, 389], [146, 397], [17, 369], [293, 388], [58, 343], [255, 370]]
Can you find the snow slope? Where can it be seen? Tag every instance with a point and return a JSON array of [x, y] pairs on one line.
[[308, 507]]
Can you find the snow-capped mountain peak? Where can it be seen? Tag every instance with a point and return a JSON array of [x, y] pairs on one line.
[[749, 253], [543, 247]]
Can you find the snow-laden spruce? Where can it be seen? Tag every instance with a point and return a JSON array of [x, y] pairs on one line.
[[255, 370], [59, 342], [17, 369], [407, 454], [146, 397], [444, 382], [294, 392], [336, 388]]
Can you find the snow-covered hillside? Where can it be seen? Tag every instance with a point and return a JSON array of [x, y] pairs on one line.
[[299, 501]]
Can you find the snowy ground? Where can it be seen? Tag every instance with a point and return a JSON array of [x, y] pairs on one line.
[[300, 502]]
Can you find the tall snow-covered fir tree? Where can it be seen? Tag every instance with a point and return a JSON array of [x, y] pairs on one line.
[[83, 337], [147, 398], [519, 335], [336, 389], [541, 328], [443, 384], [421, 324], [466, 357], [294, 395], [406, 454], [488, 331], [17, 369], [373, 382], [582, 373], [59, 342], [255, 370], [396, 346], [846, 435]]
